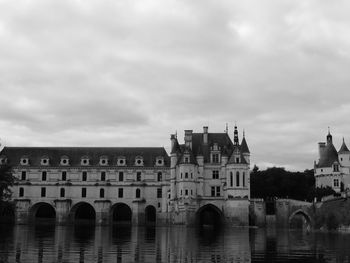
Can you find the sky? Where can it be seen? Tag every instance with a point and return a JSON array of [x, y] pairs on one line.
[[130, 73]]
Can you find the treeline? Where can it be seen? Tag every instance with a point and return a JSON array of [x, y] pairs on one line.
[[277, 182]]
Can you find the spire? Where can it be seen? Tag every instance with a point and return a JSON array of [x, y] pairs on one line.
[[235, 138], [329, 136]]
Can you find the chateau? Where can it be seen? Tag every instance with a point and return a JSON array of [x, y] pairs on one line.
[[333, 167], [205, 180]]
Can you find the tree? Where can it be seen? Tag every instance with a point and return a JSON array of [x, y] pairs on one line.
[[6, 181]]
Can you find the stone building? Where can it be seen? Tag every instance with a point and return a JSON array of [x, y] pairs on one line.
[[204, 180], [333, 167]]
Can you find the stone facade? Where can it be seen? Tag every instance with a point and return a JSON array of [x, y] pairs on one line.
[[333, 167], [206, 178]]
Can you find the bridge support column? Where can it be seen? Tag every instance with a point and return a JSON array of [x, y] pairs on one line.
[[138, 212], [102, 212], [22, 211], [282, 213], [62, 211]]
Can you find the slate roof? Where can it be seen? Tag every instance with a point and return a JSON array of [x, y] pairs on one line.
[[200, 148], [329, 156], [343, 148], [244, 146], [35, 154]]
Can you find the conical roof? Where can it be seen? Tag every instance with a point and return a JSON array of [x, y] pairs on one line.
[[343, 148], [328, 156], [244, 146]]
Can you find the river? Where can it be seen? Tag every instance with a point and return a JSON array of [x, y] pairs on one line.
[[45, 243]]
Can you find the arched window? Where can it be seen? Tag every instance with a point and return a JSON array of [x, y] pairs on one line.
[[102, 193], [237, 179], [62, 192], [138, 193], [231, 179]]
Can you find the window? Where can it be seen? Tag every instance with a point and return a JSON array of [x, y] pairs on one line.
[[24, 175], [237, 159], [186, 192], [120, 192], [158, 204], [64, 176], [336, 168], [159, 193], [84, 175], [21, 192], [102, 193], [43, 176], [237, 179], [43, 191], [64, 160], [243, 179], [181, 175], [187, 160], [160, 162], [138, 193], [215, 158], [186, 175], [44, 161], [83, 192], [138, 176], [191, 192], [231, 179], [24, 161], [159, 176], [121, 176], [121, 161], [215, 191], [336, 182], [181, 192], [62, 192], [218, 191], [215, 174], [103, 176]]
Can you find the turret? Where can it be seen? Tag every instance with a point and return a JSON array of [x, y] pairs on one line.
[[205, 135], [344, 155], [244, 149]]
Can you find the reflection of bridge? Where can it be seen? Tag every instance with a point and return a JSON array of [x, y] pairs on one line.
[[284, 212]]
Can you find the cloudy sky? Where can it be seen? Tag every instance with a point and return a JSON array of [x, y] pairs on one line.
[[130, 73]]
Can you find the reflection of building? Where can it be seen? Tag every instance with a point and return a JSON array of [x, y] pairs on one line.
[[332, 168], [206, 178]]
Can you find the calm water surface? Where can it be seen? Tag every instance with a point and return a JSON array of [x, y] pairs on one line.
[[168, 244]]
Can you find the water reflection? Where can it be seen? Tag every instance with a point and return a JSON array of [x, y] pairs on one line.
[[167, 244]]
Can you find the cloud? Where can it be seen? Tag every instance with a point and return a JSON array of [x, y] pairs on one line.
[[132, 72]]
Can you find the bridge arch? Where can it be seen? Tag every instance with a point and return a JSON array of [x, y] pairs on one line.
[[83, 212], [121, 213], [209, 215], [300, 219], [42, 212]]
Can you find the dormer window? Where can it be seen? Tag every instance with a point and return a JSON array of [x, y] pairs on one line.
[[139, 161], [103, 160], [121, 161], [237, 160], [215, 157], [64, 160], [44, 161], [85, 160], [24, 161], [3, 160], [186, 159], [159, 161], [336, 168]]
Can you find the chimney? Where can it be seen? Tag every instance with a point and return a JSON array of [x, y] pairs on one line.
[[321, 147], [173, 139], [205, 135], [188, 138]]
